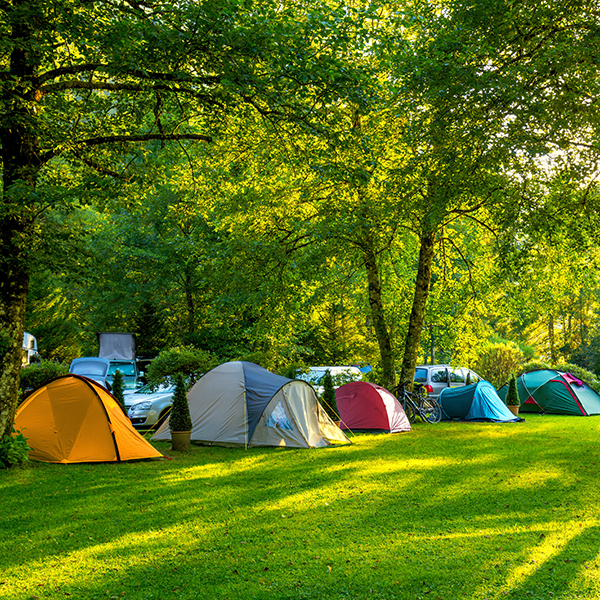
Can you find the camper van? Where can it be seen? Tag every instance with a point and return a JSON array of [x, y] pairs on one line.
[[120, 350], [29, 353]]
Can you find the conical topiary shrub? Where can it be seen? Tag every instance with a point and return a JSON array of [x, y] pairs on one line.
[[117, 389], [180, 421], [328, 397], [512, 395]]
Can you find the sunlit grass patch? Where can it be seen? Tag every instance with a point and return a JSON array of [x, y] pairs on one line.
[[448, 511]]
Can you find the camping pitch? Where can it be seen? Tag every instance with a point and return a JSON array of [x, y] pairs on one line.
[[241, 404], [547, 391], [73, 419], [478, 402], [365, 406]]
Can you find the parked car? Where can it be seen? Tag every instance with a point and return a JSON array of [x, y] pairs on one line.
[[147, 406], [437, 377], [92, 367], [339, 374]]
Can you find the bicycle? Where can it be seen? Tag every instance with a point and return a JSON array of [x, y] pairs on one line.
[[417, 403]]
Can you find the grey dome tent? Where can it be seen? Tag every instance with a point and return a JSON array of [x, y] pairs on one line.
[[241, 404], [478, 402]]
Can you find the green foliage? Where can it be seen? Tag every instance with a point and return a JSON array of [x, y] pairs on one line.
[[190, 362], [468, 380], [37, 374], [118, 388], [292, 370], [535, 365], [14, 450], [512, 396], [328, 396], [496, 361], [179, 417]]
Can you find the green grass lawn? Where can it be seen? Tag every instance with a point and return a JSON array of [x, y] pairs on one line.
[[446, 511]]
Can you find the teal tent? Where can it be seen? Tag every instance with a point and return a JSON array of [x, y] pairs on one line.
[[547, 391], [477, 402]]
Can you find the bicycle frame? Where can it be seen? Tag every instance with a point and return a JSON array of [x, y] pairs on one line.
[[416, 403]]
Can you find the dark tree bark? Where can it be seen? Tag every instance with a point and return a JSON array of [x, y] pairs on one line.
[[417, 315], [378, 318], [20, 165]]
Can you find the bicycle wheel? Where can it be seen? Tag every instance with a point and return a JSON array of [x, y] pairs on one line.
[[431, 411], [409, 409]]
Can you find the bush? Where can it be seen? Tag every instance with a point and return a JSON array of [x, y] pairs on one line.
[[497, 361], [14, 450], [37, 374], [180, 419], [189, 362], [328, 397], [535, 365], [512, 396]]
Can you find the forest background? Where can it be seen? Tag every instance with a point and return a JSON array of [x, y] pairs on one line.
[[300, 182]]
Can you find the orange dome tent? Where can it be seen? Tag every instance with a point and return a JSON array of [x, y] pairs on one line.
[[73, 419]]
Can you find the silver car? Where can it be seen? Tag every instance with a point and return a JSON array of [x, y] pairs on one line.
[[148, 407], [437, 377]]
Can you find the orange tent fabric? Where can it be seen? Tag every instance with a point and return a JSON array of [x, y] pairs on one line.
[[73, 419]]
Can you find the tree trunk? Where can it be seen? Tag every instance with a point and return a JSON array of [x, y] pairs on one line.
[[20, 165], [378, 318], [417, 315], [551, 341], [13, 294]]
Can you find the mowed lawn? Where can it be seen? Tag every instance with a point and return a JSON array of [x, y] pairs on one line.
[[447, 511]]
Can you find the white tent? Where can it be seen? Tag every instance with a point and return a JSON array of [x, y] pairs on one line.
[[242, 404]]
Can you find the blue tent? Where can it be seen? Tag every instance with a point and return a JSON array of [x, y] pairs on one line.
[[478, 402]]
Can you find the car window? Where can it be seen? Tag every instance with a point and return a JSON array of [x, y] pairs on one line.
[[439, 376], [474, 377], [421, 375], [456, 376]]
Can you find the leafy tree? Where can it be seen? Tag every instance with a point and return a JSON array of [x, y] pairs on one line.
[[191, 363], [463, 77], [328, 398], [496, 361], [86, 89]]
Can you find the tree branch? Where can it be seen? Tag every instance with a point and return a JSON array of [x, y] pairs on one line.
[[124, 139]]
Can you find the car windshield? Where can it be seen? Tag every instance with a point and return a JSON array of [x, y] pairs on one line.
[[89, 367], [126, 368], [312, 376]]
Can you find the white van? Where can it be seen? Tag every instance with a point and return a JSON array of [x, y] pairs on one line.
[[30, 350], [339, 374]]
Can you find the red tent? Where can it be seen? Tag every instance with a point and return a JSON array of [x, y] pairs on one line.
[[365, 406]]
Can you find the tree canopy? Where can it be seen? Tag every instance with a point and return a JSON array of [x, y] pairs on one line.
[[313, 182]]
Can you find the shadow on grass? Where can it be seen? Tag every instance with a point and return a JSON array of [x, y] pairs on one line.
[[455, 510]]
